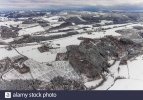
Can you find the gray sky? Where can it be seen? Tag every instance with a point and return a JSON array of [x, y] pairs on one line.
[[42, 3]]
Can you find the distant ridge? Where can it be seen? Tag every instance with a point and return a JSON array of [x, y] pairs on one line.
[[119, 8]]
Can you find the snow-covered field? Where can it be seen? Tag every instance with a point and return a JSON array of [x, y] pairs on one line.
[[13, 75], [31, 30], [31, 52], [51, 19], [127, 84], [5, 53]]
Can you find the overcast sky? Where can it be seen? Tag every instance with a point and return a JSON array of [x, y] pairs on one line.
[[46, 3]]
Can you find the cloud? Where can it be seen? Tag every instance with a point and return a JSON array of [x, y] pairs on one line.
[[43, 3]]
